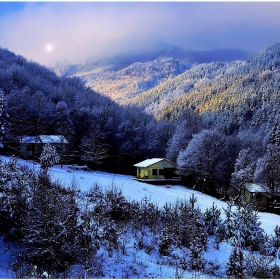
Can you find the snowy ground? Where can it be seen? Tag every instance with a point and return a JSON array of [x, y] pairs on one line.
[[158, 194], [134, 190]]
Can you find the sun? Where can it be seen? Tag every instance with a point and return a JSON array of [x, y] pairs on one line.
[[49, 48]]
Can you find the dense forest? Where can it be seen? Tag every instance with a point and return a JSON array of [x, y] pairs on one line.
[[39, 102]]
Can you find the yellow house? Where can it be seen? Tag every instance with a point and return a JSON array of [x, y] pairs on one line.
[[156, 169]]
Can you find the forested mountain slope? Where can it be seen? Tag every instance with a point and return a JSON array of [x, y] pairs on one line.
[[230, 94], [134, 79], [36, 101]]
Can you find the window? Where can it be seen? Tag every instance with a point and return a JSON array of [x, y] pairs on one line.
[[258, 197], [154, 172], [29, 147], [160, 172]]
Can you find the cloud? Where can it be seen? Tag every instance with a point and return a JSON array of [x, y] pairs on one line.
[[98, 29]]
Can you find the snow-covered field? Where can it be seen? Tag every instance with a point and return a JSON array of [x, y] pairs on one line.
[[134, 190], [158, 194]]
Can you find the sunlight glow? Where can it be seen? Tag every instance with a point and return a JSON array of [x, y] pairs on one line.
[[49, 48]]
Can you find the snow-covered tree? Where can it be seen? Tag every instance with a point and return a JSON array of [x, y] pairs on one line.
[[204, 159], [15, 192], [166, 241], [52, 237], [94, 147], [241, 227], [4, 119], [63, 121], [212, 217], [197, 261], [243, 169], [49, 156], [268, 170], [188, 124]]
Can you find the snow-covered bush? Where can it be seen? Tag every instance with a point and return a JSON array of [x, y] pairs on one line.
[[49, 156], [52, 237], [15, 191]]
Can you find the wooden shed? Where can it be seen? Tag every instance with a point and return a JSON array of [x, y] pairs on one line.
[[156, 169], [256, 194], [31, 146]]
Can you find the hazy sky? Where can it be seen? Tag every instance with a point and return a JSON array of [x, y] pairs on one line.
[[49, 32]]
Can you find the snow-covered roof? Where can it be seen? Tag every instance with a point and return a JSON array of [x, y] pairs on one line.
[[29, 139], [255, 188], [53, 139], [149, 162]]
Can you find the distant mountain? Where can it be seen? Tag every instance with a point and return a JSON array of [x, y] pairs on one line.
[[138, 77], [124, 60]]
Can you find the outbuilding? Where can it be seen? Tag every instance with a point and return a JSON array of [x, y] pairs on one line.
[[31, 146], [256, 195]]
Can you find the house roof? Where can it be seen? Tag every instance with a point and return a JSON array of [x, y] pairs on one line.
[[51, 139], [255, 188], [30, 139], [149, 162]]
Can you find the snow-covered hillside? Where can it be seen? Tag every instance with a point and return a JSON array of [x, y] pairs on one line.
[[140, 263]]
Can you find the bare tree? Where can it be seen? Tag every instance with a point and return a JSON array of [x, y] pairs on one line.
[[93, 146]]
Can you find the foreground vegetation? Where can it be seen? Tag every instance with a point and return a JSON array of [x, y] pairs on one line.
[[59, 231]]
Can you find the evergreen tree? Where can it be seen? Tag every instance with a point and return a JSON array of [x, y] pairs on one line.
[[212, 219], [241, 227], [235, 266], [197, 262], [49, 156]]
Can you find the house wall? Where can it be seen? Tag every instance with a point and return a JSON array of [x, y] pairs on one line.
[[31, 149], [257, 199], [142, 172], [155, 171]]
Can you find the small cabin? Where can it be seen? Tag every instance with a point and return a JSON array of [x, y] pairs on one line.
[[156, 169], [256, 195], [31, 146]]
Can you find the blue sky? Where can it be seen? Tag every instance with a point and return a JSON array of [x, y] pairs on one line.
[[52, 32]]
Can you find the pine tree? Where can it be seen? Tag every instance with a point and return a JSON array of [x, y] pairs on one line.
[[212, 219], [197, 262], [49, 156], [235, 266]]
